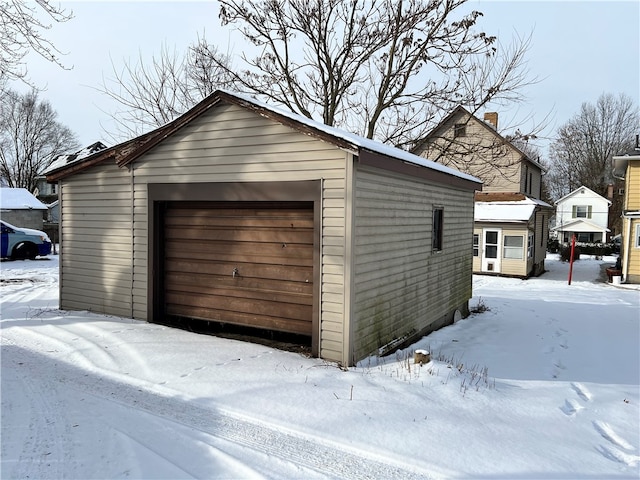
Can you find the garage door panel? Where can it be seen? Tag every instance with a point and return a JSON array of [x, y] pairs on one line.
[[184, 281], [242, 264], [257, 321], [200, 247], [281, 236], [293, 221], [242, 305], [291, 273]]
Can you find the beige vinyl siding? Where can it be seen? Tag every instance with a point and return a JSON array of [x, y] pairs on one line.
[[511, 266], [400, 285], [534, 182], [96, 241], [232, 144], [478, 153], [541, 237]]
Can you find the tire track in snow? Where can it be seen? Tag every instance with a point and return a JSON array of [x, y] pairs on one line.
[[333, 460]]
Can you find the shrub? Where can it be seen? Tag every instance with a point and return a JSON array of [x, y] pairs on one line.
[[553, 246], [565, 253]]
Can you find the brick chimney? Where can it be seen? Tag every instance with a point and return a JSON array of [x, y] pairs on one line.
[[492, 119]]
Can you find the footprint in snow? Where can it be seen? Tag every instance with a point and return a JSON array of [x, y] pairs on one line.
[[571, 407], [609, 434], [582, 391], [618, 456]]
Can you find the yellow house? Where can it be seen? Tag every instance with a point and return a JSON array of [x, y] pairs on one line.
[[627, 167]]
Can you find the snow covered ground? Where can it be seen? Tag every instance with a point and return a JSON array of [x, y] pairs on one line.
[[545, 384]]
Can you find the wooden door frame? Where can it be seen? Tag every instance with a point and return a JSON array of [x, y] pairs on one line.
[[159, 194]]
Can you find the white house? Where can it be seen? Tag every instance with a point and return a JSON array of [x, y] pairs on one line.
[[584, 213]]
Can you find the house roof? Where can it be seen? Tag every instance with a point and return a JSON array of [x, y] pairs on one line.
[[577, 191], [579, 225], [62, 160], [461, 111], [19, 199], [127, 152], [506, 207]]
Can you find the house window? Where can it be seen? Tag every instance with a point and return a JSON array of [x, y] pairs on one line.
[[513, 247], [584, 237], [638, 236], [53, 188], [581, 211], [542, 236], [530, 245], [438, 224], [526, 179], [459, 130], [476, 245]]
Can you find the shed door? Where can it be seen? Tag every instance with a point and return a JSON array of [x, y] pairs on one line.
[[244, 263]]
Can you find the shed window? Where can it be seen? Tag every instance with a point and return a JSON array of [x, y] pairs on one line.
[[476, 245], [460, 130], [438, 224], [581, 211], [513, 246]]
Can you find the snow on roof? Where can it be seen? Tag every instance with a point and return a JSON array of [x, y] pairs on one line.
[[356, 140], [62, 160], [517, 211], [19, 199]]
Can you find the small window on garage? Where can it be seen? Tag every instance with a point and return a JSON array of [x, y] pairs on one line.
[[513, 247], [437, 230], [530, 245], [476, 244]]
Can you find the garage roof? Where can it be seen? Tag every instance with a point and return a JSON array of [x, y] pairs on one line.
[[129, 151]]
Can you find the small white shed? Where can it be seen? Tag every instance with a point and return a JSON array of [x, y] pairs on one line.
[[20, 208], [244, 214]]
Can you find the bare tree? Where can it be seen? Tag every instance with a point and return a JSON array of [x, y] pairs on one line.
[[381, 68], [21, 31], [30, 138], [154, 94], [581, 153], [385, 69]]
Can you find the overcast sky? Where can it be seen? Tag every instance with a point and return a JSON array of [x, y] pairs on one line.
[[579, 50]]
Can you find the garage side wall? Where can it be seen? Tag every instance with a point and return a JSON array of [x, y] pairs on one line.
[[234, 145], [96, 241], [402, 288]]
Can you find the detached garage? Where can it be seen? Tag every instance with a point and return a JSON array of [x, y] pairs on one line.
[[244, 214]]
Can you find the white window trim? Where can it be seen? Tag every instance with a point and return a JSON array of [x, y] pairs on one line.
[[637, 237], [512, 249]]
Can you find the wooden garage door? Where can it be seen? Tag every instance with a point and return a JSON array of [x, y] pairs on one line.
[[242, 263]]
